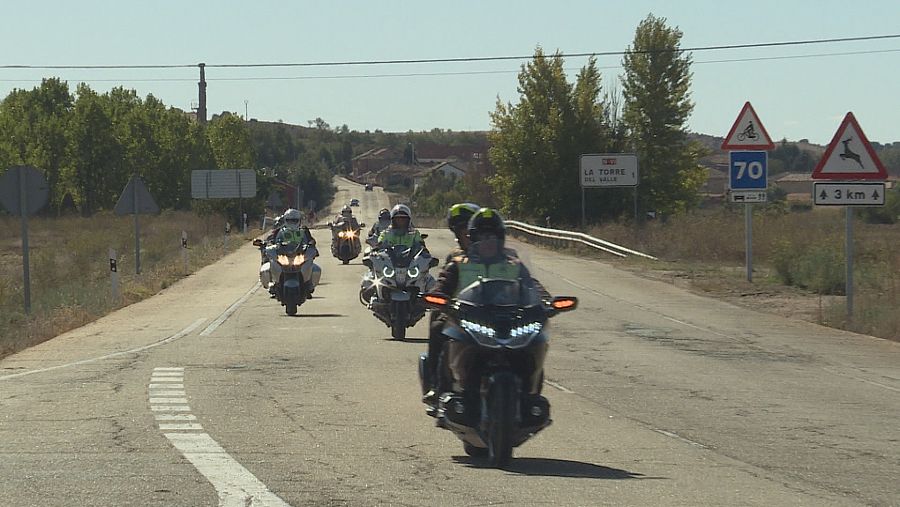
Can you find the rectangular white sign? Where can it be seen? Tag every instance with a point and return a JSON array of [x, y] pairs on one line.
[[609, 170], [747, 196], [223, 183], [848, 194]]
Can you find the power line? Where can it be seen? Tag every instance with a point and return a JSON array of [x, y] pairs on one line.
[[462, 73], [463, 59]]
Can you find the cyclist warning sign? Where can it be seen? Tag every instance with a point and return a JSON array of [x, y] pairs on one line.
[[849, 156], [748, 132]]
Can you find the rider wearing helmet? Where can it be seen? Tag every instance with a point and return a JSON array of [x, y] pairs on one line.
[[458, 222], [401, 231], [292, 232], [485, 257], [384, 221]]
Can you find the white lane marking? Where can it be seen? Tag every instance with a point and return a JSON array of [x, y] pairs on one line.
[[175, 417], [678, 437], [170, 408], [180, 334], [558, 386], [166, 379], [227, 313], [235, 484], [167, 374], [179, 426], [168, 401], [166, 386], [178, 368], [165, 394]]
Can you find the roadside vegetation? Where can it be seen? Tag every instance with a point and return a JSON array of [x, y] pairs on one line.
[[799, 255], [70, 276]]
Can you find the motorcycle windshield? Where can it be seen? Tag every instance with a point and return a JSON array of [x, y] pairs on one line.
[[401, 256], [488, 292]]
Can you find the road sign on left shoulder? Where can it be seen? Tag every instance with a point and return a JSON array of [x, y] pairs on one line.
[[748, 170]]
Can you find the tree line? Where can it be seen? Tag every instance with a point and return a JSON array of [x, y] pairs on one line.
[[88, 145]]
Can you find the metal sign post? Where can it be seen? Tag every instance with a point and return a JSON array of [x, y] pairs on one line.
[[24, 191], [137, 231], [136, 199], [849, 253]]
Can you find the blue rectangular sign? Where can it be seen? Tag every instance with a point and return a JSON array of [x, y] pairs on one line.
[[748, 170]]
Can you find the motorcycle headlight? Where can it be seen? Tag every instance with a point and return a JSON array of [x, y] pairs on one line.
[[526, 330], [413, 272], [481, 329], [298, 260], [284, 259], [387, 271]]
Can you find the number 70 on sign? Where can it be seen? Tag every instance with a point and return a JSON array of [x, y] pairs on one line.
[[748, 170]]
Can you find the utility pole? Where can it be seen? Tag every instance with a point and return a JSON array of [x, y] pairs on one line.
[[246, 114], [201, 108]]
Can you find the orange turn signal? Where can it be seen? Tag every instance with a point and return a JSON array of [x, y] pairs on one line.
[[436, 300], [564, 303]]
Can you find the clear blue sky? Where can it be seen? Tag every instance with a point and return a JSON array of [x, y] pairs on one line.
[[796, 98]]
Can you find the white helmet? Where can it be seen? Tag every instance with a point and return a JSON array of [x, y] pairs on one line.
[[292, 219], [400, 210]]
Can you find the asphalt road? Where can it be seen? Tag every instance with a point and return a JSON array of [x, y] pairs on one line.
[[207, 394]]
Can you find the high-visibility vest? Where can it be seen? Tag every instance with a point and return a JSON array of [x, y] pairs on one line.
[[470, 271], [390, 237]]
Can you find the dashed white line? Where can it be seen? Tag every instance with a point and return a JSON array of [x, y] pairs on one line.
[[234, 484], [166, 386], [558, 386]]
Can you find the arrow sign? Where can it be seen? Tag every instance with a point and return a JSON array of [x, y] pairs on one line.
[[849, 156], [748, 132]]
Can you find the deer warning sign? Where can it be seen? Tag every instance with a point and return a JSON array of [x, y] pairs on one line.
[[849, 156], [748, 132]]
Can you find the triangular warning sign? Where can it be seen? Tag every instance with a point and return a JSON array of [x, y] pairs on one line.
[[136, 198], [748, 132], [849, 156]]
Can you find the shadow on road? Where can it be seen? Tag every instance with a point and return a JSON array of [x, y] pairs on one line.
[[545, 467]]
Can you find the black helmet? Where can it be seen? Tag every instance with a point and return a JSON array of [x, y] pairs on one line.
[[459, 214], [486, 220], [384, 214]]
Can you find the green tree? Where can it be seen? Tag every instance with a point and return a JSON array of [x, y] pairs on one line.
[[230, 141], [94, 152], [536, 144], [656, 90]]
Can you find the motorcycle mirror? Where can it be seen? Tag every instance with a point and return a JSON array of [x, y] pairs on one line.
[[362, 225], [424, 236], [257, 242], [433, 262], [564, 303], [435, 300], [367, 262]]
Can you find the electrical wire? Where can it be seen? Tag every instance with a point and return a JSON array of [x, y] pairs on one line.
[[462, 73], [463, 59]]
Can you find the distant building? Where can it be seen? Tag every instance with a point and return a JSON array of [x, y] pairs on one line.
[[373, 160]]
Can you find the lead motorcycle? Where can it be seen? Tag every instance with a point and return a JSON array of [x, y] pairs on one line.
[[491, 370], [290, 273], [391, 288]]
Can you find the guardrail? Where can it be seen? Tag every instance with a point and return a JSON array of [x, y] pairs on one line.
[[575, 237]]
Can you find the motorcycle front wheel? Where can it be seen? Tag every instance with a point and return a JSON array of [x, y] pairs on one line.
[[398, 325], [501, 405]]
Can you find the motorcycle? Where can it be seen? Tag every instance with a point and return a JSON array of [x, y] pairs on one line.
[[490, 372], [345, 244], [391, 287], [293, 275]]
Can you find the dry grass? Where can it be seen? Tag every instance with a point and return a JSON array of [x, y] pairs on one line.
[[70, 278], [705, 250]]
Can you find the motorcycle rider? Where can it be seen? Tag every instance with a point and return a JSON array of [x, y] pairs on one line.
[[343, 220], [291, 233], [401, 231], [485, 257], [384, 221]]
